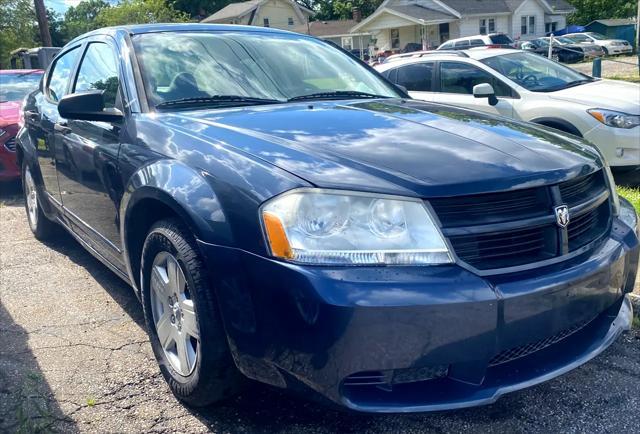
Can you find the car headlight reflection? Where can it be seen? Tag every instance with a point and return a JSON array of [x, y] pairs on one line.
[[330, 227]]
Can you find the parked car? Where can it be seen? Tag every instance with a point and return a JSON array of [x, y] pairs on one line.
[[589, 50], [14, 85], [286, 214], [569, 54], [610, 46], [531, 88], [492, 40]]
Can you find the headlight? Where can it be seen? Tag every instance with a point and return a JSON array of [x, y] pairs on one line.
[[615, 119], [327, 227], [628, 215], [615, 199]]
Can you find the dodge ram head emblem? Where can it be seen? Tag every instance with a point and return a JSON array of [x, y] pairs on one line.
[[562, 216]]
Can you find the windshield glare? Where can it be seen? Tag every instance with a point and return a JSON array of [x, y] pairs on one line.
[[598, 36], [185, 65], [535, 73], [14, 87]]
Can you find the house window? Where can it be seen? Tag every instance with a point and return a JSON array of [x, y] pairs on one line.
[[528, 25], [487, 25], [550, 27], [266, 22], [395, 39], [347, 43], [290, 21]]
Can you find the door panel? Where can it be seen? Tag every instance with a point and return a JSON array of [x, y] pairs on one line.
[[42, 123], [456, 82], [87, 158]]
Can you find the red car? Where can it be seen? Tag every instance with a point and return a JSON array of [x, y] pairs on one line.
[[15, 84]]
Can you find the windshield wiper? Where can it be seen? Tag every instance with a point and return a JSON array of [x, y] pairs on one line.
[[340, 94], [217, 100]]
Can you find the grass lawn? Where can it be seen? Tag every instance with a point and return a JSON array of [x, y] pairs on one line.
[[632, 195]]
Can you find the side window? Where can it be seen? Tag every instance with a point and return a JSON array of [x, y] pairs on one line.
[[462, 44], [456, 77], [99, 71], [476, 43], [60, 74], [416, 77]]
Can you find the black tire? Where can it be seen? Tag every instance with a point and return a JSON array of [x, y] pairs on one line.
[[606, 52], [214, 377], [41, 227]]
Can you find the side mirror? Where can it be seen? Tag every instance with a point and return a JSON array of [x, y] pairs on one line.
[[87, 106], [485, 90]]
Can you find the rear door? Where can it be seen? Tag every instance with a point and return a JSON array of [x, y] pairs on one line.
[[417, 78], [87, 160], [455, 82]]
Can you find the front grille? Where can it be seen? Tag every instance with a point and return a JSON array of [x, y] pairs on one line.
[[530, 348], [505, 249], [11, 144], [503, 230]]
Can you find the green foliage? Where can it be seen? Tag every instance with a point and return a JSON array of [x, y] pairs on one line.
[[82, 18], [341, 9], [140, 12], [18, 28], [199, 9], [589, 10], [632, 195]]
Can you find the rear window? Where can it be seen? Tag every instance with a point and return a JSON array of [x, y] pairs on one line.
[[501, 39]]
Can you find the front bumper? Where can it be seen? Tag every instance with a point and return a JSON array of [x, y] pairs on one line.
[[621, 49], [9, 170], [620, 147], [438, 337]]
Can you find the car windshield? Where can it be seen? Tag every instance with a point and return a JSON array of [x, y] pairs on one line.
[[578, 38], [15, 86], [501, 39], [598, 36], [564, 40], [536, 73], [232, 68]]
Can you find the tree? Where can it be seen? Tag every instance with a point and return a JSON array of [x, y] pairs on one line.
[[82, 18], [139, 12], [18, 28], [590, 10], [43, 23]]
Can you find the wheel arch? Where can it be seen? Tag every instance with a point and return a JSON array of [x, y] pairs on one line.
[[159, 191], [559, 124]]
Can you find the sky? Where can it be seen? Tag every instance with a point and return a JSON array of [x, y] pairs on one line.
[[61, 6]]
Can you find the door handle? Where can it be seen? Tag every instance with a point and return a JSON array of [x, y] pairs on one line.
[[31, 116], [61, 128]]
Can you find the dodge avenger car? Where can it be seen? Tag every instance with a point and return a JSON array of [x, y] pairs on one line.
[[287, 215]]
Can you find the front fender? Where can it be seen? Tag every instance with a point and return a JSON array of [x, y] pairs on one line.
[[185, 191]]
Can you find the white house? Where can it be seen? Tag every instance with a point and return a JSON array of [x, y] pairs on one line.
[[397, 23], [339, 32], [281, 14]]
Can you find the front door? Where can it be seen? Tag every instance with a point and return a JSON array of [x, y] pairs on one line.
[[88, 155], [42, 123], [455, 86]]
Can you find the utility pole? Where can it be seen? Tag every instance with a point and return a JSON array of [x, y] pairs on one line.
[[43, 23]]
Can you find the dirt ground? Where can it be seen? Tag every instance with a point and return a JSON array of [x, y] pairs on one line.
[[74, 357], [616, 66]]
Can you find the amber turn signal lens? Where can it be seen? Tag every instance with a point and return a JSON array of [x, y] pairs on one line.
[[277, 237]]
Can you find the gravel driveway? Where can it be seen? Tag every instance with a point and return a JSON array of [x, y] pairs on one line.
[[74, 356]]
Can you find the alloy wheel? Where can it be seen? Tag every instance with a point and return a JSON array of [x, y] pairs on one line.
[[174, 314], [31, 196]]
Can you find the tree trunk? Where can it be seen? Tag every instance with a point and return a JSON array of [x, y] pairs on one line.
[[43, 23]]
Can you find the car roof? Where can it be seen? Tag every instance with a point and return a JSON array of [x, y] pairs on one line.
[[478, 53], [137, 29]]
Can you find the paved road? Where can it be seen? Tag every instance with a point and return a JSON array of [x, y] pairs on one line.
[[74, 356]]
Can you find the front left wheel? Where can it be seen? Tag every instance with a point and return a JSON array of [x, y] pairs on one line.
[[40, 225], [183, 318]]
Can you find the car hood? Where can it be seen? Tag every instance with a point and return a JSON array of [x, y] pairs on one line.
[[395, 146], [606, 94], [9, 112]]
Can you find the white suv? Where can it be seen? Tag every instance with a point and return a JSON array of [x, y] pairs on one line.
[[610, 46], [527, 87], [491, 40]]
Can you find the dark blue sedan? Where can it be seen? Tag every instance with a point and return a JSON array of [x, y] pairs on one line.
[[286, 214]]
